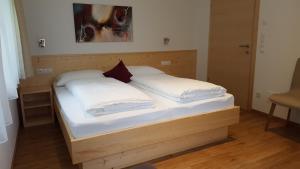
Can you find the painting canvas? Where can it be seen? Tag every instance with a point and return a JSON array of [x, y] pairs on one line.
[[102, 23]]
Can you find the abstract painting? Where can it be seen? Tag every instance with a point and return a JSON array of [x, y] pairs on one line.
[[102, 23]]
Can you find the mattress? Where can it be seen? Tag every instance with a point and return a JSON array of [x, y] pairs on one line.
[[82, 124]]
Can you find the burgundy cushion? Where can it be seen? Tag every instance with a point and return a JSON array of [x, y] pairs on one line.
[[119, 72]]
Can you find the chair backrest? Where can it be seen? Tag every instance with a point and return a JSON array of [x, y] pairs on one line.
[[296, 77]]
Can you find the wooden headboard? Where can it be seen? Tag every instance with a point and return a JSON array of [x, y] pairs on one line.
[[183, 63]]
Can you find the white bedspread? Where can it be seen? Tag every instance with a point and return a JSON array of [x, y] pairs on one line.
[[83, 124], [179, 89], [106, 95]]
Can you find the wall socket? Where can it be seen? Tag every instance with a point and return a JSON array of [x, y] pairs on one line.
[[258, 95], [44, 71], [166, 63]]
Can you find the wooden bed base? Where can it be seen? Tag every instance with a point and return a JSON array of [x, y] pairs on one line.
[[136, 145]]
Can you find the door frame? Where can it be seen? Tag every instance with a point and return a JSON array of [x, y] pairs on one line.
[[253, 49]]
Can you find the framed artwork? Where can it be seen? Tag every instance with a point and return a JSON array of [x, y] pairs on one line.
[[102, 23]]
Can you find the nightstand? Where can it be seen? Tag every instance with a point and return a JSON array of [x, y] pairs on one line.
[[36, 105]]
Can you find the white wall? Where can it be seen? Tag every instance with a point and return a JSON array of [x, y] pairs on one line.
[[7, 149], [152, 21], [201, 35], [278, 50], [186, 24]]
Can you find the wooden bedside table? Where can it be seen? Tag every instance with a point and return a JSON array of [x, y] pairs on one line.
[[36, 105]]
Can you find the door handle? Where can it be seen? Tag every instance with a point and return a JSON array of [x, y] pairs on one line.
[[244, 46]]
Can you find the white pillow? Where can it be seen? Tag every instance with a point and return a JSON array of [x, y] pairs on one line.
[[143, 70], [64, 78]]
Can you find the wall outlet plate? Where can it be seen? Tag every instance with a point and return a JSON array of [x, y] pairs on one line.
[[44, 71], [258, 95], [166, 63]]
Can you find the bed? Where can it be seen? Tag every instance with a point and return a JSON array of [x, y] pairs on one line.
[[129, 138]]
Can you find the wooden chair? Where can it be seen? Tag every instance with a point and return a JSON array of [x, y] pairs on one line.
[[290, 99]]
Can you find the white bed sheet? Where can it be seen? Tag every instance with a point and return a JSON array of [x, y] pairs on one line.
[[83, 124]]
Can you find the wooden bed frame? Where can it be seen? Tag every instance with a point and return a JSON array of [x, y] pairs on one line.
[[135, 145], [132, 146]]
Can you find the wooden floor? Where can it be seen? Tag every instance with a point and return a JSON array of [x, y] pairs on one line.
[[249, 147]]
